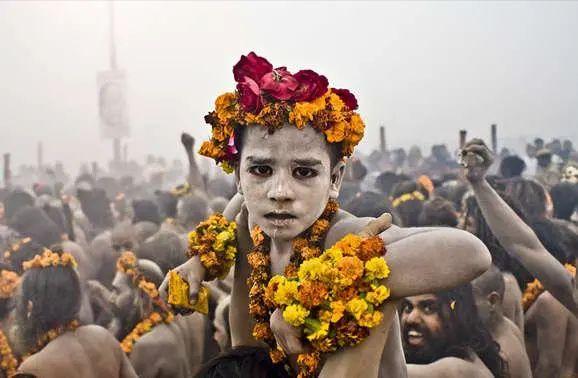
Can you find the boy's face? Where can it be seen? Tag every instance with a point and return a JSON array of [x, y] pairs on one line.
[[286, 178]]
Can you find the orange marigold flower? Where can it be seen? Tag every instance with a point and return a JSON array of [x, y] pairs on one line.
[[258, 259], [291, 271], [309, 253], [262, 331], [349, 244], [319, 227], [336, 133], [371, 247], [308, 364], [299, 244], [312, 293], [350, 269], [277, 355], [225, 106], [209, 149], [257, 236]]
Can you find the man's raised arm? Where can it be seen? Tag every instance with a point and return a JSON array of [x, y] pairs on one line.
[[517, 238]]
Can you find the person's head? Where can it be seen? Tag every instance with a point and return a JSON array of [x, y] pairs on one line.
[[49, 297], [19, 251], [123, 237], [544, 158], [386, 181], [512, 166], [489, 291], [564, 199], [446, 324], [167, 203], [34, 222], [96, 206], [367, 204], [132, 304], [530, 194], [285, 136], [243, 362], [15, 201], [539, 143], [164, 248], [144, 230], [192, 209], [407, 200], [145, 211], [287, 178], [438, 212]]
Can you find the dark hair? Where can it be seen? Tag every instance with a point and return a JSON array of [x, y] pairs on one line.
[[33, 222], [410, 210], [367, 204], [167, 203], [164, 248], [565, 199], [96, 206], [16, 200], [530, 194], [242, 362], [466, 331], [558, 239], [25, 252], [55, 296], [386, 181], [145, 211], [6, 304], [492, 280], [500, 256], [438, 212], [512, 166]]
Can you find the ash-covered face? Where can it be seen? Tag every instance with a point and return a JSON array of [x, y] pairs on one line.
[[422, 331], [286, 178]]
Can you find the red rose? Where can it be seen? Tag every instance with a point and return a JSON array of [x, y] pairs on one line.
[[279, 83], [252, 66], [311, 85], [347, 97], [250, 96]]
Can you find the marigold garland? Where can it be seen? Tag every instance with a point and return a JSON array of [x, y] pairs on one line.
[[215, 242], [261, 300], [281, 98], [415, 195], [535, 288], [334, 297], [8, 283], [52, 334], [127, 264], [8, 363]]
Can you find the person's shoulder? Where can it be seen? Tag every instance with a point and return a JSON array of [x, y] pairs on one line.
[[546, 306], [95, 332], [458, 367]]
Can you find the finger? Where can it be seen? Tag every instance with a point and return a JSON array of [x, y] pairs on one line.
[[163, 289], [481, 151], [376, 226]]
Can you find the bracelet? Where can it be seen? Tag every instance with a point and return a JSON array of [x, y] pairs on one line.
[[215, 242]]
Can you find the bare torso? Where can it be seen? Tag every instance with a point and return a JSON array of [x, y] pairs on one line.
[[171, 350], [551, 338], [512, 349], [90, 351], [512, 302]]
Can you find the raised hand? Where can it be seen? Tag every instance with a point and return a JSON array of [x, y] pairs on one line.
[[191, 271], [289, 337], [476, 158]]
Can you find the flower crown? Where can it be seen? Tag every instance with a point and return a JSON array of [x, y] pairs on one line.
[[127, 263], [48, 259], [273, 97]]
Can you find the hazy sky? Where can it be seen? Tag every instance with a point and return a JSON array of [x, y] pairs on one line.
[[425, 70]]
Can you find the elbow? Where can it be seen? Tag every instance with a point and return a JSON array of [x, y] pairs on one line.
[[479, 258]]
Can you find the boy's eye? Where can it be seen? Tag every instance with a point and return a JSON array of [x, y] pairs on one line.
[[261, 170], [304, 172]]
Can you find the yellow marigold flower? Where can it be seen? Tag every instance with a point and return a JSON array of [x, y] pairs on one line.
[[286, 293], [303, 112], [222, 238], [332, 255], [356, 307], [295, 314], [349, 244], [378, 295], [312, 269], [320, 332], [356, 124], [370, 320], [376, 268], [209, 149], [337, 308], [336, 102]]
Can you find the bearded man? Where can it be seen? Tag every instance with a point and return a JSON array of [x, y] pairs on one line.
[[286, 137], [444, 337], [46, 315]]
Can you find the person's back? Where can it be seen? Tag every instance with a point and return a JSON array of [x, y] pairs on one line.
[[88, 352], [171, 350]]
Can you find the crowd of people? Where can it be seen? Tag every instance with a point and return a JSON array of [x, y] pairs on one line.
[[310, 260], [84, 259]]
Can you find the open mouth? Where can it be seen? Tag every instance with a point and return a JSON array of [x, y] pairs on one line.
[[414, 337], [280, 219]]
